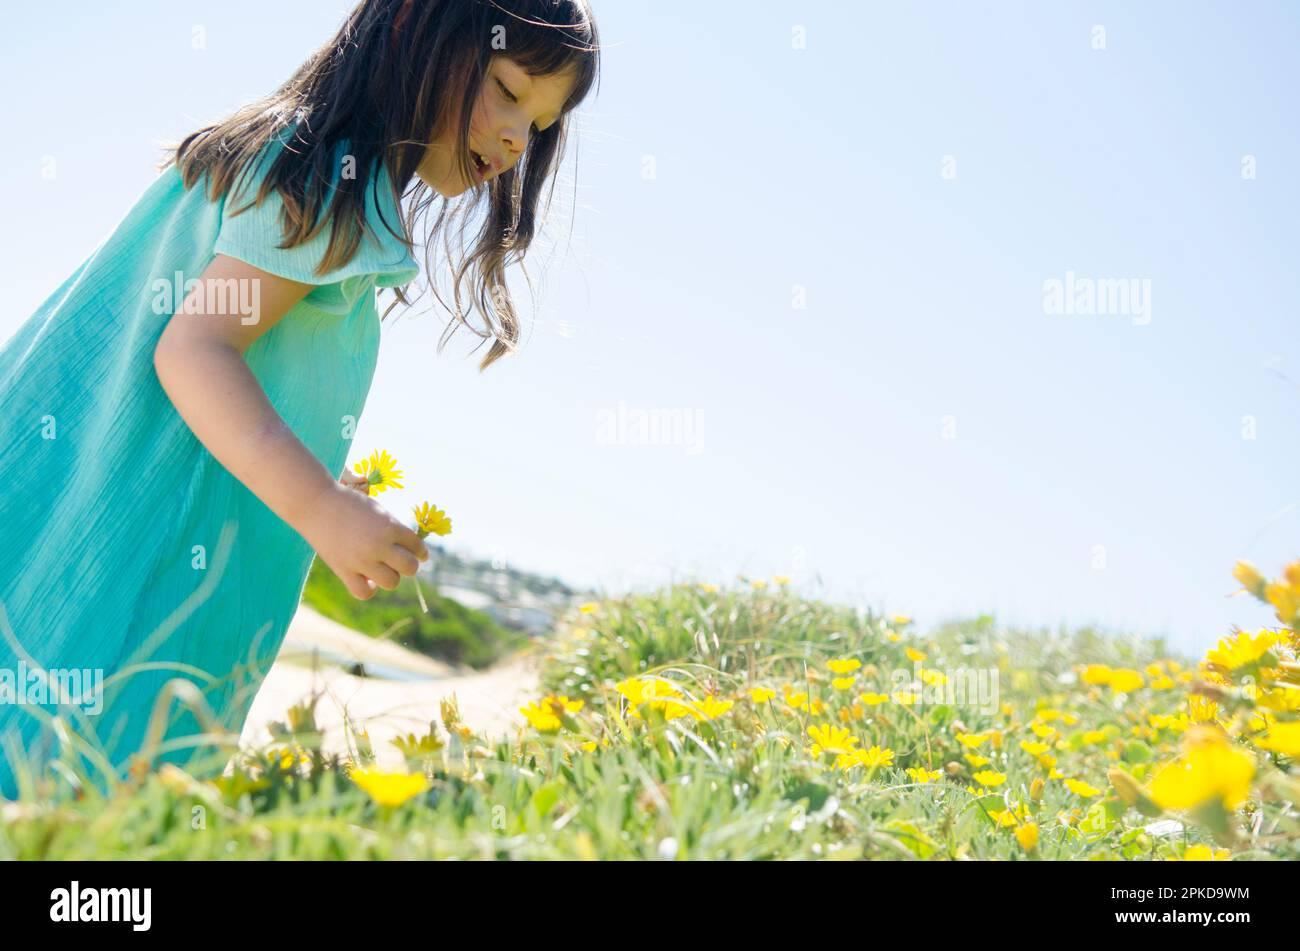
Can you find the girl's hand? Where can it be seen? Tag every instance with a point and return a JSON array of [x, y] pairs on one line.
[[354, 481], [360, 541]]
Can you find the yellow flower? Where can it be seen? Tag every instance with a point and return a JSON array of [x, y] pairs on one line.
[[1250, 578], [1202, 709], [1098, 675], [843, 665], [673, 708], [828, 738], [758, 584], [1080, 788], [986, 777], [1092, 737], [900, 620], [1123, 680], [1232, 653], [920, 774], [1034, 749], [972, 740], [711, 707], [414, 746], [933, 678], [781, 579], [1285, 697], [1042, 731], [389, 789], [430, 520], [874, 757], [656, 693], [542, 718], [381, 472], [873, 699], [1004, 818], [977, 761], [761, 694], [799, 701], [708, 588], [1286, 599], [1027, 836], [1282, 738], [590, 607], [547, 714], [1209, 768], [906, 697], [1203, 853], [1036, 789], [914, 655], [843, 683], [286, 758]]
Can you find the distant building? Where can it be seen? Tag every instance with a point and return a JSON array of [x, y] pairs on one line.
[[514, 599]]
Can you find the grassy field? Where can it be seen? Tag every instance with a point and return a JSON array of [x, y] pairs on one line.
[[753, 723]]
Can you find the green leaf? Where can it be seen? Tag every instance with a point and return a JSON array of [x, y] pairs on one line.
[[985, 806], [814, 792], [917, 842], [545, 798], [1097, 821], [1136, 752]]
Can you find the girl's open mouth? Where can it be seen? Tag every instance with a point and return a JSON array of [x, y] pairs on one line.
[[481, 168]]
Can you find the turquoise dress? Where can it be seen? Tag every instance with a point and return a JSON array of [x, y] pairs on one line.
[[129, 556]]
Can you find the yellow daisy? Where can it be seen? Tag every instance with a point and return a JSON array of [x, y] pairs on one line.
[[429, 519], [381, 472], [389, 789]]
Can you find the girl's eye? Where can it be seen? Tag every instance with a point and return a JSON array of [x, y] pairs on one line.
[[511, 96]]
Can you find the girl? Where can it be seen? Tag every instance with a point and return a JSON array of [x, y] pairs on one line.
[[178, 414]]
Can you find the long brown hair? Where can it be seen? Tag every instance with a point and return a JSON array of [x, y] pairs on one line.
[[389, 94]]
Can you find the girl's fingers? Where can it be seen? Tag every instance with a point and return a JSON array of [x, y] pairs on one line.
[[385, 577], [358, 482], [358, 586], [412, 542], [402, 561]]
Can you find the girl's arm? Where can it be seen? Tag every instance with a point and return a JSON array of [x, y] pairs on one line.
[[200, 363]]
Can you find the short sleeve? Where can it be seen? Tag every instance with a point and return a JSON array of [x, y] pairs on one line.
[[254, 234]]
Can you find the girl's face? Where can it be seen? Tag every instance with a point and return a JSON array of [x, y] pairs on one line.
[[512, 106]]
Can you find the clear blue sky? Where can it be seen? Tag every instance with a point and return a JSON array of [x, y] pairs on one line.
[[821, 428]]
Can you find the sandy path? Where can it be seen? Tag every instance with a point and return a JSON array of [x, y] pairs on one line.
[[489, 700]]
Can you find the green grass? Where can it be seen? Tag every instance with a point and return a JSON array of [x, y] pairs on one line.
[[449, 632], [744, 784]]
